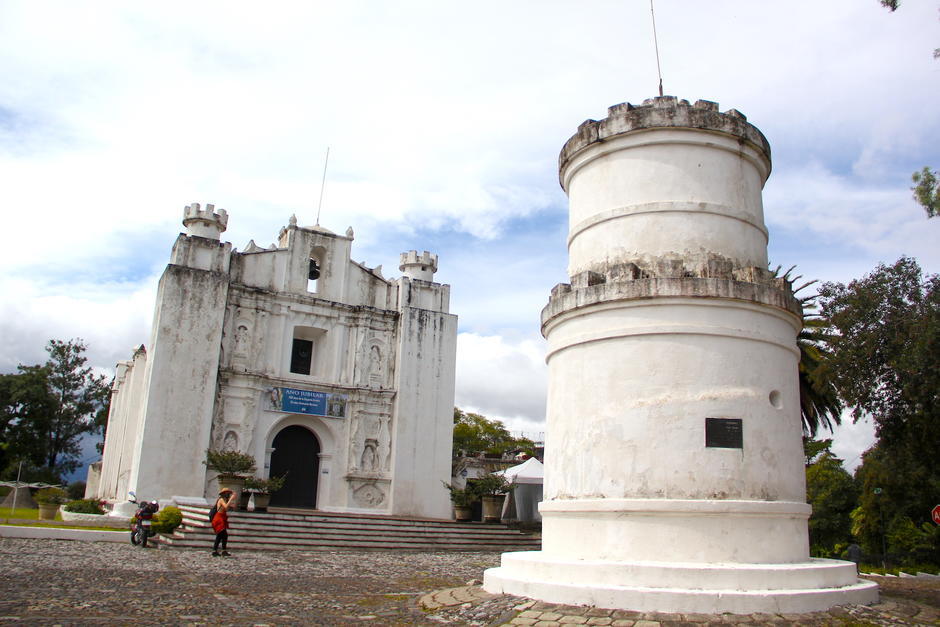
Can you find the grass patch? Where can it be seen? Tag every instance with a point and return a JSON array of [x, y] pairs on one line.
[[24, 513], [53, 525]]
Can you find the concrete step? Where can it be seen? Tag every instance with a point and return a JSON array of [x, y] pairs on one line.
[[282, 529], [335, 538], [308, 516], [274, 544], [292, 527]]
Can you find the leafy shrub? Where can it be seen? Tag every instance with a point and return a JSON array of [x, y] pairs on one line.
[[490, 485], [265, 486], [167, 519], [84, 506], [460, 497], [51, 496], [230, 463]]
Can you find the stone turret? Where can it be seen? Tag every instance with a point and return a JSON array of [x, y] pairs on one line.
[[207, 222], [421, 267], [674, 468]]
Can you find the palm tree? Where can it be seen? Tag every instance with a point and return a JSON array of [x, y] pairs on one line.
[[819, 402]]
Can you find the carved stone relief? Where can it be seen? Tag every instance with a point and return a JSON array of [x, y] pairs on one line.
[[368, 495], [369, 442], [230, 441], [370, 459], [372, 362], [242, 353], [235, 426]]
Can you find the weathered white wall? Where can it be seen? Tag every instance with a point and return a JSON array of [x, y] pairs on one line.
[[671, 318], [124, 422], [222, 338], [423, 427], [670, 192], [182, 371]]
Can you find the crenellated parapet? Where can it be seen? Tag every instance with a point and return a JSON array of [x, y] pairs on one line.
[[661, 113], [207, 222], [421, 267]]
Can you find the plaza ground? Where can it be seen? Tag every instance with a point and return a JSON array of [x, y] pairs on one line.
[[46, 582]]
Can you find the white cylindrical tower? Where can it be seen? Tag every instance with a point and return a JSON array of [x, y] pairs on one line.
[[674, 476]]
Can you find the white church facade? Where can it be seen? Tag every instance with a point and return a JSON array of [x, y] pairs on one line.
[[315, 365]]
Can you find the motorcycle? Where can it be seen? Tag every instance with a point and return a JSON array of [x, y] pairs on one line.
[[142, 522]]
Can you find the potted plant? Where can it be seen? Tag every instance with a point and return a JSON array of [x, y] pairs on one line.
[[233, 468], [49, 500], [82, 509], [262, 489], [462, 499], [492, 488]]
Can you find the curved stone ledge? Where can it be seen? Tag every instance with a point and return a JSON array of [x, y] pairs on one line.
[[813, 573], [567, 298], [682, 507], [696, 208], [662, 112], [812, 586]]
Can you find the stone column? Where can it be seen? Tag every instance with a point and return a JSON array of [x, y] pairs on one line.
[[674, 475]]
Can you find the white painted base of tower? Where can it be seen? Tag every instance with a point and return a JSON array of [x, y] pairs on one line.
[[671, 587]]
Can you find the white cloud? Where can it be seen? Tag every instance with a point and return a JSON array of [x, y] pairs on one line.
[[444, 122], [850, 440], [502, 380], [110, 318], [835, 227]]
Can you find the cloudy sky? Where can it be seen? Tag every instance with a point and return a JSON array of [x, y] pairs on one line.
[[444, 122]]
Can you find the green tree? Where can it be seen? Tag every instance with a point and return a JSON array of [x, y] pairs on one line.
[[25, 401], [927, 191], [44, 410], [475, 434], [885, 363], [885, 352], [819, 401], [897, 492], [833, 495]]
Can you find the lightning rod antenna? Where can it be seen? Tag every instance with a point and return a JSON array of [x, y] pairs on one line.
[[656, 45], [323, 184]]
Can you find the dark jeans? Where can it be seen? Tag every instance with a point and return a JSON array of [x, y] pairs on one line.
[[220, 538]]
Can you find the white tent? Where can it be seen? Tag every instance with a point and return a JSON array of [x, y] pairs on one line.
[[529, 471], [523, 504]]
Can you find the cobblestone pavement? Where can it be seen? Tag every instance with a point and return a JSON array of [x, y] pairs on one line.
[[55, 582]]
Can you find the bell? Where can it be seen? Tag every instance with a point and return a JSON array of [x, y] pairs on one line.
[[314, 273]]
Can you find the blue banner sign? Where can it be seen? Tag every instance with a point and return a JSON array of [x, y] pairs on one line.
[[295, 401]]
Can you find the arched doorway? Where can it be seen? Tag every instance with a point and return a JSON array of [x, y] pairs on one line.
[[297, 453]]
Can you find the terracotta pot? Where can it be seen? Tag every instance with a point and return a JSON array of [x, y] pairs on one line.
[[47, 511], [493, 508], [463, 513]]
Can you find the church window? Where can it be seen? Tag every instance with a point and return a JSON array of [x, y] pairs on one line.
[[301, 356], [306, 350]]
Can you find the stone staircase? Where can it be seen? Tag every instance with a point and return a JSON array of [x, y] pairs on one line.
[[282, 529]]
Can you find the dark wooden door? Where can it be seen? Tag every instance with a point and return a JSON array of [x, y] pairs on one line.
[[297, 453]]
